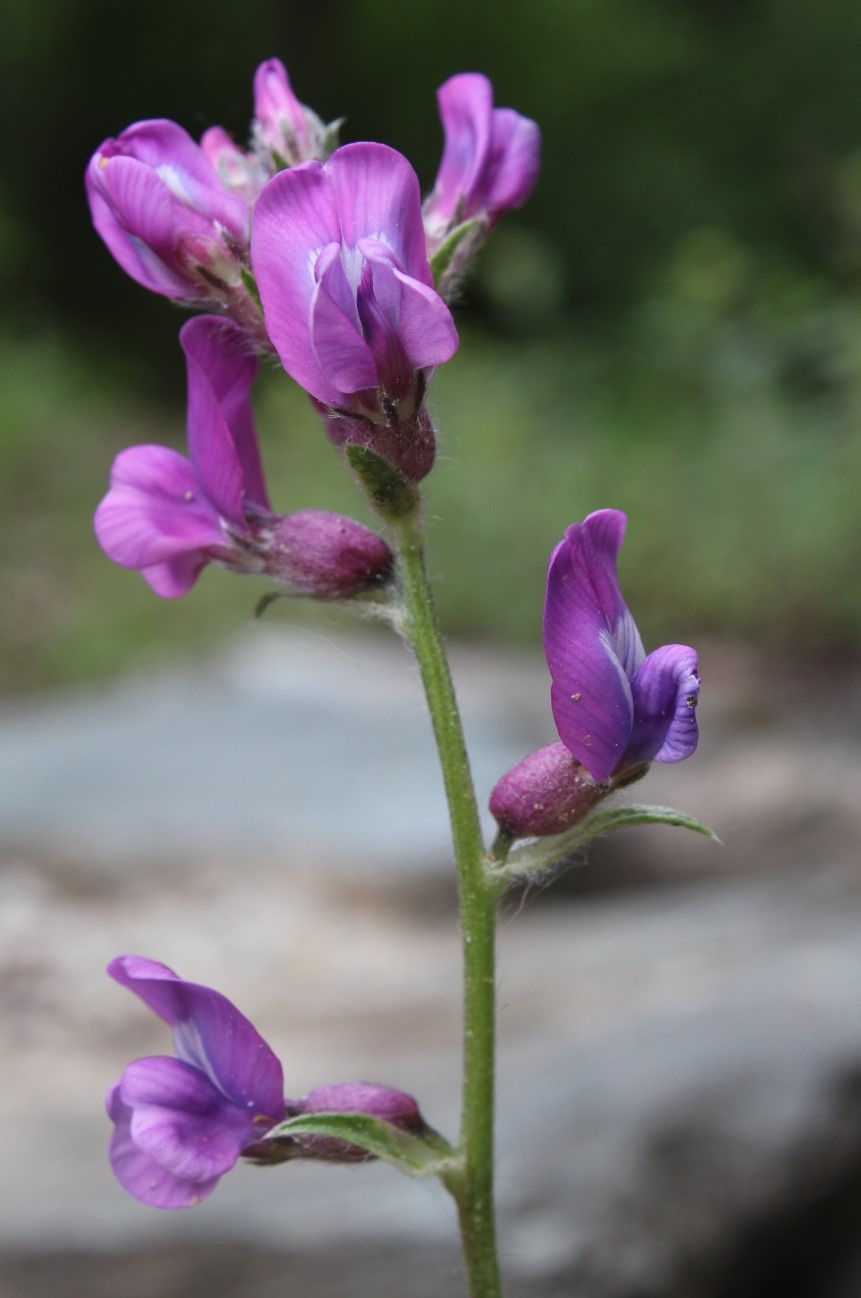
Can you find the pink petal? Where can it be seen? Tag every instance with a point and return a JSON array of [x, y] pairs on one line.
[[294, 219], [377, 196], [154, 510], [221, 437]]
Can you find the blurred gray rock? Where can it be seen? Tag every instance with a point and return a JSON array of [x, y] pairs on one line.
[[680, 1066]]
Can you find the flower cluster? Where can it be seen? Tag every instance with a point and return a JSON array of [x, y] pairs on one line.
[[616, 709], [325, 258], [318, 256], [181, 1122]]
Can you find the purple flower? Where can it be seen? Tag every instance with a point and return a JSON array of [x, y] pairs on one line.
[[169, 516], [284, 128], [615, 708], [181, 1123], [339, 254], [490, 160], [161, 208]]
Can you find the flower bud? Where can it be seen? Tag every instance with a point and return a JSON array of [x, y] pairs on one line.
[[283, 127], [325, 555], [544, 794], [164, 213], [242, 173], [368, 1098]]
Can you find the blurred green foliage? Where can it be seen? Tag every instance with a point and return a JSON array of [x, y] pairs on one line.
[[672, 325]]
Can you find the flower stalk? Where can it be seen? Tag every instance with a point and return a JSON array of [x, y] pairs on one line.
[[470, 1180]]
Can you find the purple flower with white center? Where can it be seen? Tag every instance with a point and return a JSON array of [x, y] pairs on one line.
[[615, 708], [181, 1123], [339, 254], [284, 129], [490, 160], [165, 215], [169, 516]]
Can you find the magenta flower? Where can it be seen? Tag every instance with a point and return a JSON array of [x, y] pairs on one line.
[[615, 708], [169, 516], [283, 128], [490, 160], [165, 215], [339, 254], [181, 1123]]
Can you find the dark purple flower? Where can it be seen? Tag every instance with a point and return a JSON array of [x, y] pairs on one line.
[[169, 220], [283, 128], [339, 254], [490, 160], [181, 1123], [615, 708], [169, 516]]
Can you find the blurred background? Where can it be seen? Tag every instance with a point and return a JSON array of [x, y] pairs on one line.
[[672, 325]]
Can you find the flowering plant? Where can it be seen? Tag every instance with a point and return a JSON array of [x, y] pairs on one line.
[[325, 259]]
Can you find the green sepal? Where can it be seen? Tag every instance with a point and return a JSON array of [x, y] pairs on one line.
[[331, 137], [266, 601], [249, 283], [641, 813], [427, 1154], [392, 495], [441, 260], [543, 853]]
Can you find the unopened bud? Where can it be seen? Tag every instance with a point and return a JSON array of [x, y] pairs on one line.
[[326, 555], [544, 794], [368, 1098]]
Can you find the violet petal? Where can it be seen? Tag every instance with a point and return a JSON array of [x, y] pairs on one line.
[[665, 692], [182, 1120], [209, 1033], [139, 1173], [591, 643]]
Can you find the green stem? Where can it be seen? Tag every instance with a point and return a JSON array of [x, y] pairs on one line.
[[471, 1180]]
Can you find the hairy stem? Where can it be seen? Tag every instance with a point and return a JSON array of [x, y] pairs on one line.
[[471, 1180]]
